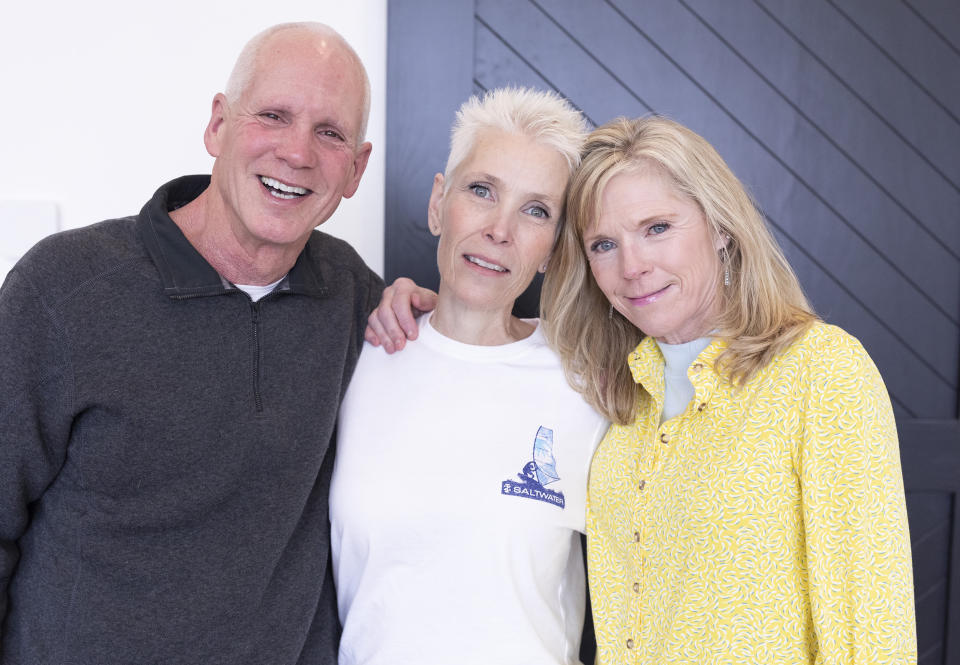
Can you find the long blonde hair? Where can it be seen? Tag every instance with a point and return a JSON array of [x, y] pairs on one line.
[[763, 310]]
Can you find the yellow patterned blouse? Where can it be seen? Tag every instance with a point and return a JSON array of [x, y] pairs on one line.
[[761, 525]]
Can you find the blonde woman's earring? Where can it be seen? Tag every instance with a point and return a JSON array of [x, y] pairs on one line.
[[725, 260], [610, 313]]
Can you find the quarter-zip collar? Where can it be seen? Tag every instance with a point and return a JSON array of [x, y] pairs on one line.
[[183, 270]]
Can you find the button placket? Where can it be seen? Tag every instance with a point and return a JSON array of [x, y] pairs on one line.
[[649, 461], [638, 570], [637, 553], [700, 381], [703, 385]]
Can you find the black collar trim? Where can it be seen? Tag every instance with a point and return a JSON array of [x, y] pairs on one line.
[[183, 270]]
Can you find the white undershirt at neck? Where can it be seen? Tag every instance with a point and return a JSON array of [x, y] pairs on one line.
[[256, 292]]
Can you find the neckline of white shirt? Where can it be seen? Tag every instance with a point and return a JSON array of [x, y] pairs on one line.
[[255, 291], [436, 340]]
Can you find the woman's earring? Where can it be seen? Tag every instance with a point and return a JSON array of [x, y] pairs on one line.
[[725, 259], [610, 313]]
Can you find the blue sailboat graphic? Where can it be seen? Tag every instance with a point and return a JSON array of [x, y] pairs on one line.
[[537, 473], [543, 456]]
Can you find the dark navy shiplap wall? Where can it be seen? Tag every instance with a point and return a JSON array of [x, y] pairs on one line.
[[841, 116]]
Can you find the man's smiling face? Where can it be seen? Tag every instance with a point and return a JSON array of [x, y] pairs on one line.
[[288, 148]]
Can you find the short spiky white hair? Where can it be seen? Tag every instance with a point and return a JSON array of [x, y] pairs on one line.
[[543, 116], [246, 62]]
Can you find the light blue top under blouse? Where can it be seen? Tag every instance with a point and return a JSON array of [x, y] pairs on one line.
[[678, 391]]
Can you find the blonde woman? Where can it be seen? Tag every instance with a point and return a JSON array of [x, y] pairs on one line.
[[747, 504]]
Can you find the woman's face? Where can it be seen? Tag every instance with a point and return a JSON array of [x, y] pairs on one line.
[[497, 218], [655, 258]]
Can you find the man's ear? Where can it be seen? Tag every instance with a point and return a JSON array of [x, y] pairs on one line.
[[434, 218], [213, 134], [360, 158]]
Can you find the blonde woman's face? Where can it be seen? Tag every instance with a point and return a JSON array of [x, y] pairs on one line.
[[655, 258]]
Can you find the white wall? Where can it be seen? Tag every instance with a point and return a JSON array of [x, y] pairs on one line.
[[105, 100]]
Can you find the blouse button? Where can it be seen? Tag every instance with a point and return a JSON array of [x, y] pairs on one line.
[[629, 644], [641, 485], [697, 367], [665, 438], [636, 587], [636, 536], [702, 406]]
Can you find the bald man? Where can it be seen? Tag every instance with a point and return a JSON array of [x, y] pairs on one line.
[[171, 384]]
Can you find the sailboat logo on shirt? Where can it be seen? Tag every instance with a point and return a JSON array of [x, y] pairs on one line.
[[537, 473]]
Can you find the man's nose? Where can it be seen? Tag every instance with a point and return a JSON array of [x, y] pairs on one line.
[[295, 147]]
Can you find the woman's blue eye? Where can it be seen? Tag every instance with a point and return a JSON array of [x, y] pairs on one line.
[[600, 246], [658, 228], [538, 211], [480, 190]]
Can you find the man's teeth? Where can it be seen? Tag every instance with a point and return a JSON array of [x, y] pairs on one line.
[[281, 190], [481, 262]]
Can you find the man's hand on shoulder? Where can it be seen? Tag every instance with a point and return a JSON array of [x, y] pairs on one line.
[[394, 321]]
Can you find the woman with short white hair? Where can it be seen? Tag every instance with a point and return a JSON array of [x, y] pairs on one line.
[[458, 495]]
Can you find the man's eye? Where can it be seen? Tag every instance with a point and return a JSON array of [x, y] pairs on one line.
[[269, 116], [329, 133]]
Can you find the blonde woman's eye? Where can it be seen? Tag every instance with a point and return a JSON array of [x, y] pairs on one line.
[[538, 211], [658, 228], [601, 246]]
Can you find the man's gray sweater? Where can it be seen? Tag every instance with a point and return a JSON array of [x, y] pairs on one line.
[[165, 448]]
